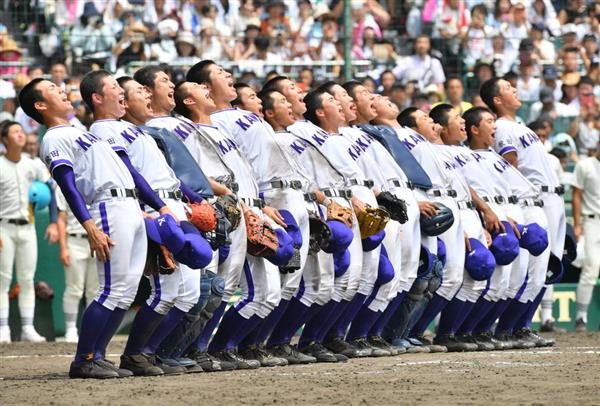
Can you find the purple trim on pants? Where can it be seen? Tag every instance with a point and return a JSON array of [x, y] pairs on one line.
[[157, 291], [250, 297], [106, 229]]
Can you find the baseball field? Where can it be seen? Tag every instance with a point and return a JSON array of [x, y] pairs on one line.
[[565, 374]]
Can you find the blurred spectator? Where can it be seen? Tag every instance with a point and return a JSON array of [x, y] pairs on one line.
[[574, 13], [213, 45], [551, 81], [569, 60], [585, 94], [370, 84], [58, 74], [543, 129], [543, 48], [421, 66], [305, 79], [452, 24], [478, 38], [564, 142], [191, 15], [186, 48], [10, 52], [549, 109], [164, 51], [589, 52], [386, 81], [248, 15], [569, 87], [503, 56], [399, 97], [91, 39], [517, 27], [157, 10], [502, 13], [132, 45], [35, 71], [247, 47], [454, 94], [276, 23], [8, 97], [366, 14], [541, 13], [323, 47], [303, 24], [528, 86], [433, 95]]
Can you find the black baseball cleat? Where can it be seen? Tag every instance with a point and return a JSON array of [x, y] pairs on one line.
[[529, 335], [210, 363], [361, 343], [422, 341], [317, 350], [487, 337], [291, 354], [123, 373], [167, 368], [91, 370], [191, 367], [239, 362], [140, 365], [580, 325], [337, 345], [517, 343], [452, 344], [189, 364], [264, 357], [549, 327], [380, 342], [481, 345]]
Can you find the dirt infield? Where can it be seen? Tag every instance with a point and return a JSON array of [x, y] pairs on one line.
[[566, 374]]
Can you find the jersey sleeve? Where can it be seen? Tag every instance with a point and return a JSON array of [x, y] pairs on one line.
[[56, 151], [61, 202], [504, 143], [41, 172], [579, 176]]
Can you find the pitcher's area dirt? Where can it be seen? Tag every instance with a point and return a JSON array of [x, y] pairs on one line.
[[568, 373]]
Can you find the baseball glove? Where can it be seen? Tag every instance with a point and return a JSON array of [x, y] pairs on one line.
[[203, 216], [371, 221], [320, 233], [159, 260], [262, 240], [229, 206], [337, 212], [395, 207]]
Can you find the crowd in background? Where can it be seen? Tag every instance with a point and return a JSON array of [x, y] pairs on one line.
[[417, 52]]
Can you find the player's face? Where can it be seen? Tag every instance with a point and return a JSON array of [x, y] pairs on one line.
[[455, 131], [332, 109], [56, 102], [364, 102], [221, 83], [201, 95], [138, 102], [15, 138], [294, 95], [163, 92], [508, 96], [250, 101], [385, 108], [487, 130], [112, 98], [425, 125], [31, 144], [282, 110], [347, 103]]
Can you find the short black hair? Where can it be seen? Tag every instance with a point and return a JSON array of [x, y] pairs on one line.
[[327, 86], [146, 75], [90, 84], [472, 118], [538, 124], [558, 152], [510, 75], [490, 89], [571, 49], [406, 118], [439, 114], [122, 81], [350, 86], [199, 73], [30, 95], [585, 80], [274, 83], [481, 8], [266, 96], [313, 101], [5, 125], [239, 86], [179, 95], [452, 77]]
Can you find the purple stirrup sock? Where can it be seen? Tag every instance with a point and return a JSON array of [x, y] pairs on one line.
[[167, 324], [449, 315], [525, 320], [313, 327], [341, 325], [288, 324], [267, 327], [246, 328], [93, 321], [362, 323], [480, 310], [435, 306], [229, 326], [465, 313], [382, 321], [144, 324], [486, 323], [511, 316], [201, 343], [110, 330]]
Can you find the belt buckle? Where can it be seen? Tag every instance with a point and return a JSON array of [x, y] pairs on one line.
[[452, 193], [346, 193], [499, 199], [513, 199], [437, 193], [327, 193], [310, 197], [396, 183], [560, 190], [369, 183], [410, 185], [296, 184], [235, 187]]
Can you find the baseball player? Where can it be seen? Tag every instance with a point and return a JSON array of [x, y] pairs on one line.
[[247, 99], [79, 265], [18, 241], [172, 295], [586, 218], [522, 148], [90, 174]]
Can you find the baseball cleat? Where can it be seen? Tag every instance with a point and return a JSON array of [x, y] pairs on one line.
[[489, 338], [338, 346], [29, 334], [362, 343], [549, 327], [529, 335], [239, 362], [209, 363], [190, 366], [291, 354], [380, 342], [90, 370], [453, 345], [517, 344], [171, 367], [140, 365], [422, 341], [123, 373], [481, 345], [265, 358], [71, 335], [580, 326], [5, 335], [322, 354]]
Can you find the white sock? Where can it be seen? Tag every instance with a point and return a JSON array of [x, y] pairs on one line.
[[3, 322], [26, 322], [546, 310], [70, 320]]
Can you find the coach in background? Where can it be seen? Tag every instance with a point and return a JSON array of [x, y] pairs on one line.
[[586, 216]]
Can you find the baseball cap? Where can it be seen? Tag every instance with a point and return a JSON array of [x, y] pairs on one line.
[[570, 251], [164, 230], [292, 229], [196, 251], [505, 245], [479, 262], [385, 270], [426, 261], [550, 72], [224, 253], [341, 262], [569, 29], [555, 270], [285, 250], [341, 237], [533, 238], [372, 242], [546, 95]]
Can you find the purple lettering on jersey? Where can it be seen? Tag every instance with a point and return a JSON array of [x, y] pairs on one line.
[[320, 141], [183, 131], [416, 138], [84, 145], [352, 154], [477, 156], [226, 145], [361, 144], [407, 144], [242, 125], [130, 134], [299, 149], [501, 165], [460, 159]]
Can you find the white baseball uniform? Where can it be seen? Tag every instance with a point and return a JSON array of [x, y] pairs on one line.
[[98, 170], [182, 288], [19, 241], [441, 181]]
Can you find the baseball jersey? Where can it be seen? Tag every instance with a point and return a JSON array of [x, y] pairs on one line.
[[483, 170], [142, 150], [15, 180], [256, 140], [96, 166], [424, 153], [73, 225], [452, 168], [587, 178], [532, 159], [304, 136]]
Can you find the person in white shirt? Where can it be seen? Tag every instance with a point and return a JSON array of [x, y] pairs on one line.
[[586, 218], [421, 66]]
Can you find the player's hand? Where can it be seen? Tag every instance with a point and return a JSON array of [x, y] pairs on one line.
[[467, 243], [513, 224], [578, 230], [274, 214], [100, 243], [492, 222], [65, 257], [358, 204], [51, 233], [428, 209], [166, 210], [488, 237]]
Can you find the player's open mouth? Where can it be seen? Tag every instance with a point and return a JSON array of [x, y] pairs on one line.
[[171, 95]]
